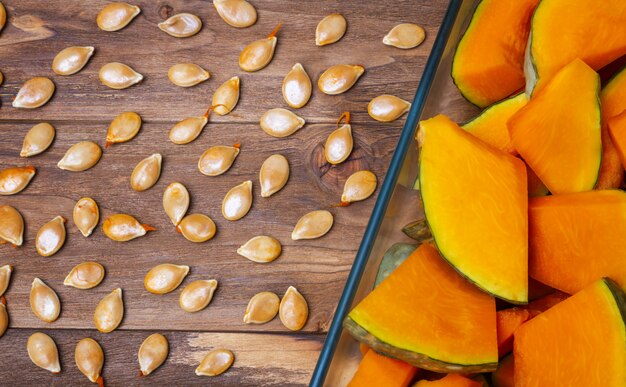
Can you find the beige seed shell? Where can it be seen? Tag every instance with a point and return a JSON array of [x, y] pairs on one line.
[[5, 278], [197, 295], [165, 278], [34, 93], [123, 227], [313, 225], [72, 59], [339, 145], [89, 358], [86, 275], [182, 25], [37, 140], [405, 36], [339, 78], [146, 173], [124, 127], [237, 201], [258, 54], [330, 29], [3, 20], [42, 351], [187, 74], [4, 319], [237, 13], [81, 156], [44, 301], [50, 237], [293, 310], [11, 225], [176, 202], [115, 16], [359, 186], [217, 160], [188, 129], [15, 180], [297, 87], [261, 249], [109, 312], [280, 122], [387, 108], [226, 96], [215, 362], [86, 215], [262, 308], [118, 76], [273, 175], [152, 353], [197, 228]]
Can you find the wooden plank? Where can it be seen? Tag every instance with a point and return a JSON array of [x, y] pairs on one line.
[[260, 359]]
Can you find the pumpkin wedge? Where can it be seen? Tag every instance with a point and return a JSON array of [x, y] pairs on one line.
[[488, 64], [563, 30], [613, 103], [504, 376], [507, 322], [558, 131], [490, 126], [422, 296], [450, 380], [617, 130], [578, 342], [379, 370], [475, 201], [576, 239]]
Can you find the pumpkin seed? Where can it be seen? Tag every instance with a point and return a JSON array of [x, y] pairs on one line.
[[86, 215], [293, 310], [262, 308], [330, 29], [182, 25], [115, 16], [44, 301], [165, 278], [339, 143], [118, 76], [237, 201], [176, 202], [273, 175], [81, 156], [14, 180], [405, 35], [197, 228], [152, 353], [280, 122], [124, 127], [339, 78], [359, 186], [71, 60], [187, 74], [237, 13], [146, 173], [123, 227], [5, 278], [43, 352], [4, 317], [86, 275], [387, 108], [261, 249], [188, 129], [215, 362], [258, 54], [11, 225], [197, 295], [217, 159], [3, 19], [226, 96], [313, 225], [34, 93], [109, 312], [37, 140], [297, 87], [50, 237], [89, 359]]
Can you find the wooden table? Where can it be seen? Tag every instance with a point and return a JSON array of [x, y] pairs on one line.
[[82, 108]]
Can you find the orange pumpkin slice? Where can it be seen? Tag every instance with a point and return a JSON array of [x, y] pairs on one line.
[[617, 130], [450, 380], [613, 102], [475, 201], [563, 30], [504, 376], [579, 342], [507, 322], [576, 239], [422, 296], [558, 131], [489, 61], [379, 370]]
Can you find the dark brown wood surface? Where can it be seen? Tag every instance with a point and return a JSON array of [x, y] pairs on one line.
[[82, 108]]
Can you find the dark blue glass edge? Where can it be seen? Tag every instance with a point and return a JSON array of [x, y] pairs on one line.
[[388, 186]]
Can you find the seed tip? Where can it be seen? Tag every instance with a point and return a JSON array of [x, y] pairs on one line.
[[346, 116], [100, 381], [147, 227], [237, 145], [3, 300], [275, 30]]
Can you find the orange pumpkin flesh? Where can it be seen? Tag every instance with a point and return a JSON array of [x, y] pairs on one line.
[[617, 130], [379, 370], [488, 64], [613, 102], [579, 342], [504, 376], [507, 321], [490, 126], [450, 380], [575, 239], [475, 201], [536, 188], [422, 296], [558, 131]]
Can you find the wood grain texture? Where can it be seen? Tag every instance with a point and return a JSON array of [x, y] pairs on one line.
[[82, 109]]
